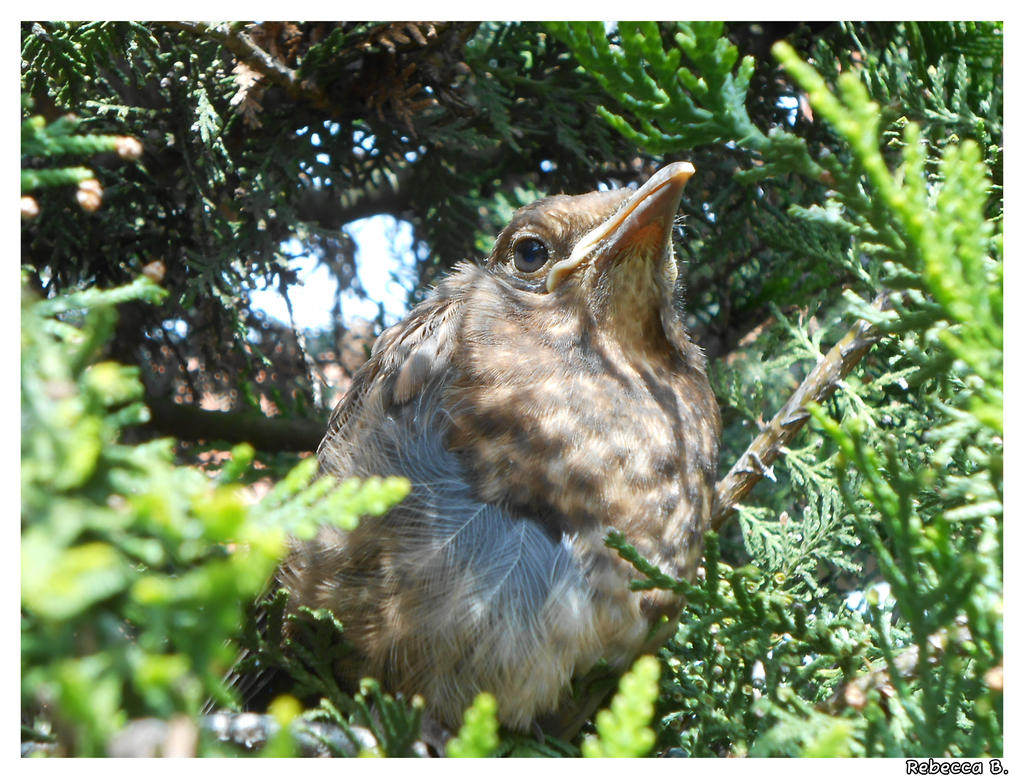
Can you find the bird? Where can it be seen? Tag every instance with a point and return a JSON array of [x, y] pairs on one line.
[[535, 402]]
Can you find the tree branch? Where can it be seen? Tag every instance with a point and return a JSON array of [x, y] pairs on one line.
[[265, 433], [818, 387], [241, 44]]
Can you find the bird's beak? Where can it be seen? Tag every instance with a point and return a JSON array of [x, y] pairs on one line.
[[643, 222]]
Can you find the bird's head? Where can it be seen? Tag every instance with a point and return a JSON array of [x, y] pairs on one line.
[[609, 252]]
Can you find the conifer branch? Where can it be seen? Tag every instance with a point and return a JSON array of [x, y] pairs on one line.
[[818, 387], [240, 43], [267, 433]]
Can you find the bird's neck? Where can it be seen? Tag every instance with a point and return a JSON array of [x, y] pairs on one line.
[[633, 308]]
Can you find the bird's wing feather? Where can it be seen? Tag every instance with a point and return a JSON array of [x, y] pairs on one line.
[[407, 356]]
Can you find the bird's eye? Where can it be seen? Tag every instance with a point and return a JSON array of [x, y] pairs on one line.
[[529, 255]]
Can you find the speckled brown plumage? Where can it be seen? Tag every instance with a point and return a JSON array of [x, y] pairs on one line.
[[534, 403]]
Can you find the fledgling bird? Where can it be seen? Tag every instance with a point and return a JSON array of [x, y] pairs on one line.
[[534, 403]]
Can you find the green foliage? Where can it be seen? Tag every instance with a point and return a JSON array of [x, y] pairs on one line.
[[107, 529], [749, 651], [135, 572], [393, 722], [947, 77], [478, 736], [692, 105], [45, 141], [285, 709], [623, 728], [74, 54], [934, 525]]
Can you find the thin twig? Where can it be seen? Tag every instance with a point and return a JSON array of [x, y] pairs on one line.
[[818, 387], [241, 44]]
